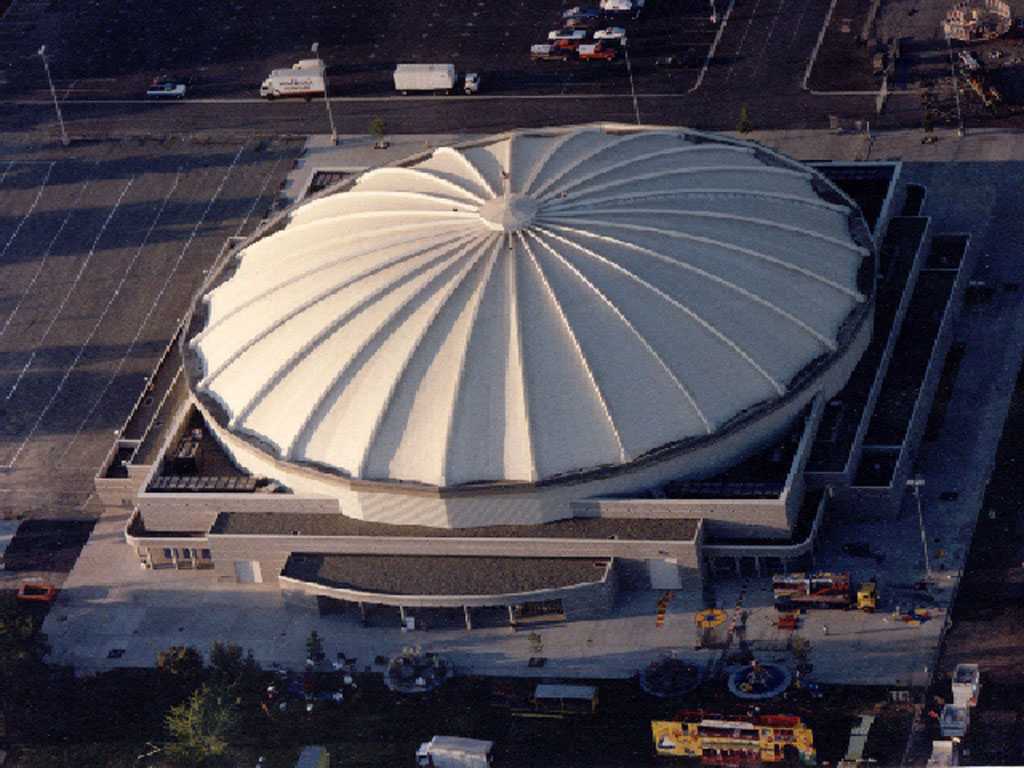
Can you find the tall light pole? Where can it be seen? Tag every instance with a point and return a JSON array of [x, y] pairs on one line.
[[56, 104], [714, 13], [961, 129], [917, 483], [327, 98]]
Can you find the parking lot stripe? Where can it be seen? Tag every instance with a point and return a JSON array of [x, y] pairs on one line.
[[743, 40], [711, 51], [124, 357], [46, 254], [256, 200], [156, 300], [764, 48], [21, 223], [60, 309], [7, 170]]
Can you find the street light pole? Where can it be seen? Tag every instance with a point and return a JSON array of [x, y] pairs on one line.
[[327, 96], [56, 104], [917, 483], [961, 129], [714, 13]]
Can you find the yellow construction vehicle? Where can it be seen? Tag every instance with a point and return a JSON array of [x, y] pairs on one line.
[[867, 597]]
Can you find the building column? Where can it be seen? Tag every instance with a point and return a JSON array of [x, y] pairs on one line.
[[757, 566], [469, 619], [739, 566], [362, 611], [401, 614], [511, 617]]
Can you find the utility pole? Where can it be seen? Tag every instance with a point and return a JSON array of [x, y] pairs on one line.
[[961, 129], [917, 483], [327, 98], [56, 104]]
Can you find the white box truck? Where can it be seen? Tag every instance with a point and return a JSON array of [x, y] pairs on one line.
[[454, 752], [304, 78], [433, 78]]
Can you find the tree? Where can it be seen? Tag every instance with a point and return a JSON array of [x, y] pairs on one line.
[[21, 643], [200, 727], [235, 672], [182, 663], [378, 129], [315, 647], [744, 125]]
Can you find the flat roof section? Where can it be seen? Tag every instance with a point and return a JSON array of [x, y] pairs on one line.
[[287, 524], [425, 575]]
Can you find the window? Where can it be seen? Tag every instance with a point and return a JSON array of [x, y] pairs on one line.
[[205, 554], [186, 554], [168, 553]]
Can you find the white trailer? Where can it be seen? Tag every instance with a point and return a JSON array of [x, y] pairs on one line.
[[454, 752], [304, 78], [425, 77]]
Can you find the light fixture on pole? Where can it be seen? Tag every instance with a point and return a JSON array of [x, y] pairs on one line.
[[714, 13], [56, 104], [961, 128], [917, 483], [327, 98]]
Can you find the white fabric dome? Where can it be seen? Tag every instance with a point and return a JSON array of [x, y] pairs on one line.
[[533, 305]]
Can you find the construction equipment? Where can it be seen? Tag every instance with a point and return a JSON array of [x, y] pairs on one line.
[[822, 590], [867, 597], [735, 740]]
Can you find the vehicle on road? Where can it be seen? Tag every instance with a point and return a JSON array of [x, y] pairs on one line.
[[597, 52], [471, 83], [431, 78], [304, 78], [166, 88], [454, 752], [567, 34], [610, 33], [548, 52]]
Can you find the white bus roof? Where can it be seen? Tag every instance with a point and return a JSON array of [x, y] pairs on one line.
[[547, 691]]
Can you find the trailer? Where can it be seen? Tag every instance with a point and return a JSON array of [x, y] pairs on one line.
[[454, 752], [304, 78], [425, 77]]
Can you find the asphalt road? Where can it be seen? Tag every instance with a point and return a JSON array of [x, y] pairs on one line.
[[100, 64]]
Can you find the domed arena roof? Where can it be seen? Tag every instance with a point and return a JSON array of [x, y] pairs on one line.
[[533, 305]]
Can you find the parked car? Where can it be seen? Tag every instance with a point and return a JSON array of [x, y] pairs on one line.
[[597, 52], [610, 33], [583, 17], [582, 12], [568, 47], [567, 34], [548, 52], [37, 591], [166, 88]]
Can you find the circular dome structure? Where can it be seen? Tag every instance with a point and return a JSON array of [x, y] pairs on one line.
[[532, 307]]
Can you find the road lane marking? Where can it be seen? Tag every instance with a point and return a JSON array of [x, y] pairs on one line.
[[46, 255], [60, 309], [156, 301], [7, 170]]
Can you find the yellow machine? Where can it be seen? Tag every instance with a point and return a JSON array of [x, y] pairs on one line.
[[867, 597], [726, 740]]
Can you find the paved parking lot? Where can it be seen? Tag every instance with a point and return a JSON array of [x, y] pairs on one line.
[[100, 251]]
